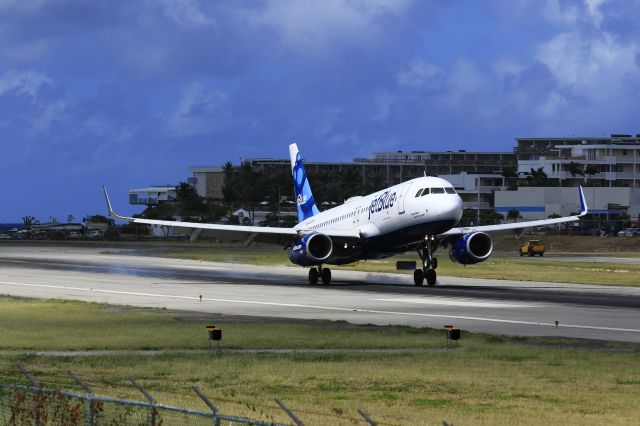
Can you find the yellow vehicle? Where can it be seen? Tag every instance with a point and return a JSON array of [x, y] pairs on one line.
[[532, 247]]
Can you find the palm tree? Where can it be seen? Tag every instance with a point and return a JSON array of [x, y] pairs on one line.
[[508, 172], [538, 177], [591, 170], [575, 169], [514, 214], [28, 221]]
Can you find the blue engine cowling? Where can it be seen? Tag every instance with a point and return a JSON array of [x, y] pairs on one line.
[[312, 249], [471, 248]]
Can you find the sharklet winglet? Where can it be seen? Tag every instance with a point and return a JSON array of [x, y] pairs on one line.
[[584, 209], [110, 209]]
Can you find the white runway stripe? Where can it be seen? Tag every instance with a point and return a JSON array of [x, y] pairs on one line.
[[328, 308], [442, 301]]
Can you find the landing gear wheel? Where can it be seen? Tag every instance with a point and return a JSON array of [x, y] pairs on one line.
[[430, 275], [434, 263], [313, 276], [418, 277], [326, 276]]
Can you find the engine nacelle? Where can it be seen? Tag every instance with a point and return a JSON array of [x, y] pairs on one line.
[[312, 249], [471, 248]]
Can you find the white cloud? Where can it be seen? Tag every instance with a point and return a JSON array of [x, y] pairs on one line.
[[315, 24], [185, 13], [580, 61], [24, 83], [421, 74], [199, 111]]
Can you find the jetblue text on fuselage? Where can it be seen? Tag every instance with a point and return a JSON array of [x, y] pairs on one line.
[[383, 202]]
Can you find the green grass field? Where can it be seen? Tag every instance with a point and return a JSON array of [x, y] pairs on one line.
[[486, 380]]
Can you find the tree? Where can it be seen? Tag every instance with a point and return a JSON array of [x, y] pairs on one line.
[[575, 169], [625, 219], [514, 214], [538, 177], [508, 174], [70, 218], [490, 217], [28, 221], [591, 170], [98, 218], [189, 202]]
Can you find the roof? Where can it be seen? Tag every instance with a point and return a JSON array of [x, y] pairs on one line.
[[205, 169], [152, 189]]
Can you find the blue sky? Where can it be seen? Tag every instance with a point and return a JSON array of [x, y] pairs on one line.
[[130, 93]]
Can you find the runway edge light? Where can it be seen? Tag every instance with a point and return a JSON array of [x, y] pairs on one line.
[[452, 333], [215, 334]]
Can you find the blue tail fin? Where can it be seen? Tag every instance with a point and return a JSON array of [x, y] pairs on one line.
[[301, 188]]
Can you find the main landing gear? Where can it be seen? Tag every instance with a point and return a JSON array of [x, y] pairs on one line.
[[322, 273], [429, 262]]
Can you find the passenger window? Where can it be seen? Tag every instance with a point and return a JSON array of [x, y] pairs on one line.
[[450, 190], [425, 191], [437, 190], [418, 193]]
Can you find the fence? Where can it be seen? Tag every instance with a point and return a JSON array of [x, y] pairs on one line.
[[35, 405]]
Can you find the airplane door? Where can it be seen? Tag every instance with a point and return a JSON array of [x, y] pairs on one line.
[[403, 196]]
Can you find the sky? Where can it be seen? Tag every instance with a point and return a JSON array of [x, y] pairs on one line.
[[131, 93]]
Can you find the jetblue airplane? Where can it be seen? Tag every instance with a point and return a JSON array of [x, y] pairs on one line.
[[420, 214]]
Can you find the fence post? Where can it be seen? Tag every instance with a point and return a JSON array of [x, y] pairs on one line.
[[366, 417], [295, 419], [212, 407], [89, 391], [148, 396], [35, 384]]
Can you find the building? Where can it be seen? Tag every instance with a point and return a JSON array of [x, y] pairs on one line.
[[208, 181], [606, 162], [476, 190], [152, 195], [535, 203]]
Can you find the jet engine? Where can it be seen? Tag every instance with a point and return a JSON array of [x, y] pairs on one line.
[[471, 248], [312, 249]]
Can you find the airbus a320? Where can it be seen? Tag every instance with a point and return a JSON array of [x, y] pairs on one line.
[[417, 215]]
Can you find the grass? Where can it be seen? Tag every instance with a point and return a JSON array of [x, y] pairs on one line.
[[486, 380]]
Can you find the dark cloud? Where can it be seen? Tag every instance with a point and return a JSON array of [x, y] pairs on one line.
[[132, 93]]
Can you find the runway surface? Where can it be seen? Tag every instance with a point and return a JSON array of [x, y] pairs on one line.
[[491, 306]]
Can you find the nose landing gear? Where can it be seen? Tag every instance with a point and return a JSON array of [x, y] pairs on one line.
[[429, 262]]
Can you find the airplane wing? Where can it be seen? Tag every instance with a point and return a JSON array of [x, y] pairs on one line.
[[519, 225], [245, 234]]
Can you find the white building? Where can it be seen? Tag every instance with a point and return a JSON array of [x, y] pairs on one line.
[[615, 160], [476, 189], [540, 202], [152, 195]]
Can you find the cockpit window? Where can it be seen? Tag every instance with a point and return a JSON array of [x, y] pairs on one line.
[[425, 192], [437, 190], [418, 193], [450, 190]]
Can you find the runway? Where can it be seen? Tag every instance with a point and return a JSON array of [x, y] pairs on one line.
[[490, 306]]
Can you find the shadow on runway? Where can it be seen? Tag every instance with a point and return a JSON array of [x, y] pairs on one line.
[[401, 285]]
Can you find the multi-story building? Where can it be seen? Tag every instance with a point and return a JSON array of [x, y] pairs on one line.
[[610, 162], [207, 181], [152, 195]]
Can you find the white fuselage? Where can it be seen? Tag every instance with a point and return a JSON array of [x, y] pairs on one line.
[[394, 210]]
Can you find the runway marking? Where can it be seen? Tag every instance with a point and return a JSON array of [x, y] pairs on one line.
[[457, 302], [327, 308]]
